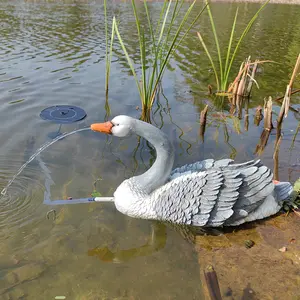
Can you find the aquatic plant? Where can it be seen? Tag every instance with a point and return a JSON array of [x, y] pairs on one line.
[[164, 39], [109, 38], [287, 97], [222, 73]]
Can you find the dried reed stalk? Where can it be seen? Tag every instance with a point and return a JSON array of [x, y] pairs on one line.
[[242, 84], [287, 97], [268, 114], [281, 98], [249, 88], [267, 127], [203, 115], [243, 81], [234, 85]]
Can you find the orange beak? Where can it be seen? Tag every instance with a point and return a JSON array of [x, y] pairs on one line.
[[102, 127]]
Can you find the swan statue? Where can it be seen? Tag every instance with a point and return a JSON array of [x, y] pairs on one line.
[[208, 193]]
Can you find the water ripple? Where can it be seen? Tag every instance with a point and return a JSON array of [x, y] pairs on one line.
[[25, 195]]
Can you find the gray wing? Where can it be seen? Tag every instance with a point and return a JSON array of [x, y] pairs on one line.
[[198, 167], [221, 195]]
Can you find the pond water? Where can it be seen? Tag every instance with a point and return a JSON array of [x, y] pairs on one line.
[[53, 52]]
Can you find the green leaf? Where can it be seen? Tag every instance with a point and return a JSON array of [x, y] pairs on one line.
[[297, 185], [96, 194]]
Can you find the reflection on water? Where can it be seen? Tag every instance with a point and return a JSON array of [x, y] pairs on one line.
[[52, 52]]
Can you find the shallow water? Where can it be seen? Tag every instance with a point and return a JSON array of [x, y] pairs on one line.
[[52, 52]]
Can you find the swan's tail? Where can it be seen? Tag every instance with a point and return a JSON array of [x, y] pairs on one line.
[[288, 194], [283, 191]]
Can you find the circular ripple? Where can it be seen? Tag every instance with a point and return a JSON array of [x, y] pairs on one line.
[[23, 198]]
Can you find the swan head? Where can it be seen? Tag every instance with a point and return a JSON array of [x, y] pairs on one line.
[[119, 126]]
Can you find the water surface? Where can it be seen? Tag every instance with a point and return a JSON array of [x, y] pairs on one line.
[[52, 52]]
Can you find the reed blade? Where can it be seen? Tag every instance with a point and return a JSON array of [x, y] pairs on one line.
[[129, 61], [224, 84], [210, 59], [216, 39], [246, 30]]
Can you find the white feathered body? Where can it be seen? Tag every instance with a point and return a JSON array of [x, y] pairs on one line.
[[208, 194]]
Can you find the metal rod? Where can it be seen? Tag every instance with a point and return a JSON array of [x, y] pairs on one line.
[[78, 201]]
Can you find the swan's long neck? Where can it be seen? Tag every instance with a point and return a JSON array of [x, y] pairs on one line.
[[158, 174]]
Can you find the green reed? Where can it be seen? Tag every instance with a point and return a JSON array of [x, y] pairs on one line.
[[222, 73], [109, 38], [169, 32]]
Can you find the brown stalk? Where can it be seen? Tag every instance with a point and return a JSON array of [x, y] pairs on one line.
[[292, 93], [268, 114], [242, 84], [234, 86], [267, 127], [243, 81], [203, 115], [295, 71], [287, 97], [249, 88], [242, 68]]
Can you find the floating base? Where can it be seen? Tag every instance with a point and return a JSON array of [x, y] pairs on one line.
[[63, 114]]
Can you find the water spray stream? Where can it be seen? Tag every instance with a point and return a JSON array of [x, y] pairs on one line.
[[33, 156]]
